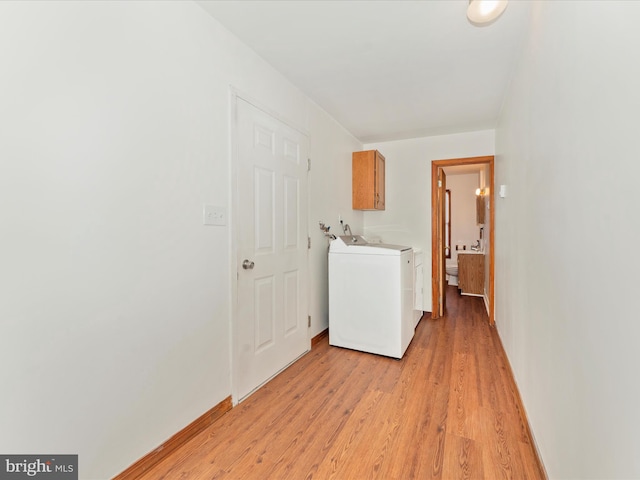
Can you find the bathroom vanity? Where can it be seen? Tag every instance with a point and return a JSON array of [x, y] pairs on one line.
[[471, 273]]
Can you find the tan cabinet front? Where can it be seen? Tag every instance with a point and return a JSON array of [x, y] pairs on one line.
[[471, 273], [368, 180]]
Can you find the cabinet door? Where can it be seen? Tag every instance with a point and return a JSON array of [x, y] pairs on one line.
[[379, 181], [471, 273], [368, 180], [462, 277]]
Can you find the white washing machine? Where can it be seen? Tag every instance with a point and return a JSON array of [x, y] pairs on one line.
[[370, 296]]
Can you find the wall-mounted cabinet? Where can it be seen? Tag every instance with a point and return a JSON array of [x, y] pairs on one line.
[[368, 180], [480, 209]]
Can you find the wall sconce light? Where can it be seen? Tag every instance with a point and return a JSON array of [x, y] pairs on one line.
[[484, 12]]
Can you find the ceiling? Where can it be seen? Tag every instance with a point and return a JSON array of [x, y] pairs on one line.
[[386, 70]]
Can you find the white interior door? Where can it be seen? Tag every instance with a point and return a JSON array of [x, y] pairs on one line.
[[271, 324]]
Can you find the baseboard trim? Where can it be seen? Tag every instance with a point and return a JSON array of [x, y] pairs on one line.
[[176, 441], [532, 439], [318, 338]]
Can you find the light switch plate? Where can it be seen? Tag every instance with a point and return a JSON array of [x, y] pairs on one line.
[[214, 215]]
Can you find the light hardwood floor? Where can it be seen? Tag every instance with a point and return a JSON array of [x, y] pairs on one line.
[[449, 409]]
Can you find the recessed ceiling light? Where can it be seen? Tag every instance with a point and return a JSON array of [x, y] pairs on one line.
[[483, 12]]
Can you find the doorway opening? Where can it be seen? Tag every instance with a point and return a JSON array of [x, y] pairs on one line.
[[439, 246]]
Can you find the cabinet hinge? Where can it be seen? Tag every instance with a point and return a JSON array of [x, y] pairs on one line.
[[309, 321], [308, 164]]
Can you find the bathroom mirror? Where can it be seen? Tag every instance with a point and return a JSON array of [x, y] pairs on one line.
[[480, 208]]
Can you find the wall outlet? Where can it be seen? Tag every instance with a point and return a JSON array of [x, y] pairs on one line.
[[213, 215]]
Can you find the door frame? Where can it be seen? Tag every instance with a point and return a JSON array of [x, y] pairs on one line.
[[436, 267], [234, 195]]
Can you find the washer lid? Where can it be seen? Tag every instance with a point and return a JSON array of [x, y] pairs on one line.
[[356, 244]]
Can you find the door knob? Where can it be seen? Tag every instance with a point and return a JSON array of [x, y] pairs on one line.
[[248, 265]]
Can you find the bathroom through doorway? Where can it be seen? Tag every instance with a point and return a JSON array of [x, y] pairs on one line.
[[439, 244]]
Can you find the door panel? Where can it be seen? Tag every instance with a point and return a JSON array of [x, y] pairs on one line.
[[441, 240], [264, 182], [291, 214], [264, 313], [291, 302], [271, 325]]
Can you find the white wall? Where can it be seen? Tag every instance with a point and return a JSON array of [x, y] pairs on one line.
[[566, 270], [331, 150], [464, 229], [114, 131], [407, 218]]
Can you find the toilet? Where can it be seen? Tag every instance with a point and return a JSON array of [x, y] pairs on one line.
[[452, 273]]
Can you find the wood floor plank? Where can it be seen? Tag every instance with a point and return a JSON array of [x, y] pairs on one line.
[[260, 424], [448, 410], [314, 435], [355, 434], [388, 378], [293, 424], [366, 456], [463, 460], [413, 412], [463, 400]]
